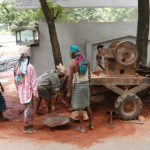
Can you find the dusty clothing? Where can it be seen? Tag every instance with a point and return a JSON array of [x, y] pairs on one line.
[[28, 114], [80, 78], [80, 95], [48, 84], [64, 84], [28, 87], [2, 103], [80, 91]]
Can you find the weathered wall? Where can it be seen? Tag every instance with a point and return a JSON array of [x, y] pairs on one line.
[[80, 34]]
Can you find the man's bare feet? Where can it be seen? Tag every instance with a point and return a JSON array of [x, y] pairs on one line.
[[39, 113], [29, 130], [81, 129], [91, 127]]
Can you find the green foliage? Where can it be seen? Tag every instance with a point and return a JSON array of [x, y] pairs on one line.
[[7, 13], [25, 18], [12, 18], [99, 15], [55, 9]]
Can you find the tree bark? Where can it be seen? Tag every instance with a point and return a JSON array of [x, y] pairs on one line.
[[50, 19], [55, 44], [143, 29]]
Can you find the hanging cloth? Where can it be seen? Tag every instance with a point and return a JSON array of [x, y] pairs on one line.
[[21, 70]]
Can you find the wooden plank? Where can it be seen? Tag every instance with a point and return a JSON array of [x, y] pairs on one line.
[[129, 80]]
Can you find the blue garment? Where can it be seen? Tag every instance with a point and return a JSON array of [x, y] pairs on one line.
[[23, 66], [22, 70], [74, 49], [83, 67]]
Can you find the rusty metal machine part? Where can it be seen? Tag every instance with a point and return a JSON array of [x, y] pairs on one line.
[[122, 78], [113, 44], [110, 121], [120, 58], [126, 53]]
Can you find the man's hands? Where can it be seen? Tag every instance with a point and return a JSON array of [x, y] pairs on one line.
[[106, 73]]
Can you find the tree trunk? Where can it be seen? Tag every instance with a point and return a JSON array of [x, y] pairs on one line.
[[50, 19], [54, 43], [143, 29]]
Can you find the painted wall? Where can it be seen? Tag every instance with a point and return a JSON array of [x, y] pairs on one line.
[[80, 34]]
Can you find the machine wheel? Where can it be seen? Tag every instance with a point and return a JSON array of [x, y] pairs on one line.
[[126, 53], [128, 106]]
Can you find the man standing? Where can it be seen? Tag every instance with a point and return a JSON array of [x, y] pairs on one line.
[[78, 86], [26, 85], [100, 57]]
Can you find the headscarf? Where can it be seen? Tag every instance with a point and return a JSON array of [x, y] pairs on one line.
[[82, 63], [21, 68], [74, 49], [23, 65], [61, 69]]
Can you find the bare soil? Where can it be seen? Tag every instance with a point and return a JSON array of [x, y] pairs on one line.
[[67, 134]]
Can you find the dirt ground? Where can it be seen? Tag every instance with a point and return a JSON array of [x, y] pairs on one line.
[[68, 135]]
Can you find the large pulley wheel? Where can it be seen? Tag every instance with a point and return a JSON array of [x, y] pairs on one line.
[[128, 107], [126, 53], [113, 44]]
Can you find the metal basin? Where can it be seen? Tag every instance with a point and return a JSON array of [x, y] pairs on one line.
[[55, 121]]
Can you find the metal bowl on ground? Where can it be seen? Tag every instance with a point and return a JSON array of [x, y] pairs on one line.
[[56, 121]]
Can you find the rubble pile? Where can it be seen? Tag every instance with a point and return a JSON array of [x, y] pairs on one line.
[[7, 64]]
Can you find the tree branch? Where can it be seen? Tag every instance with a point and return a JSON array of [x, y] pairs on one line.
[[46, 11], [57, 13]]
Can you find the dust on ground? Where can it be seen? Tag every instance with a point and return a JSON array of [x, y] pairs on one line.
[[66, 134]]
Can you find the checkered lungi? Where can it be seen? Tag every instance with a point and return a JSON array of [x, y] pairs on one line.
[[80, 95], [2, 103]]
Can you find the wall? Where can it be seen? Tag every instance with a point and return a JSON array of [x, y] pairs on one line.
[[80, 34]]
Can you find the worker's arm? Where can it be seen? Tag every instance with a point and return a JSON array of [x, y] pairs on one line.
[[98, 60], [70, 80], [1, 86], [101, 67]]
